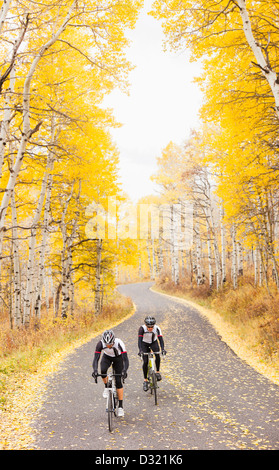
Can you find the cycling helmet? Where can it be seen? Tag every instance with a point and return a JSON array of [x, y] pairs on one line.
[[149, 321], [108, 337]]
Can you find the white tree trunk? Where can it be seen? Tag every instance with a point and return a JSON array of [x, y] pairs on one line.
[[160, 252], [149, 259], [65, 258], [239, 259], [45, 230], [98, 278], [255, 257], [199, 273], [16, 312], [223, 245], [154, 260], [3, 13], [42, 271], [7, 116], [263, 63], [234, 257], [261, 275], [209, 250], [216, 255], [174, 244], [212, 224], [30, 284]]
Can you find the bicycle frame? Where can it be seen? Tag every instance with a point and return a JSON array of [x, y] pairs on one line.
[[151, 374]]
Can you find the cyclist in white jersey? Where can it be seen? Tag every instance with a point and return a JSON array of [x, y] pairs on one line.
[[148, 336], [114, 352]]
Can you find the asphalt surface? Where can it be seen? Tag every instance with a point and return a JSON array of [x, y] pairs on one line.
[[208, 399]]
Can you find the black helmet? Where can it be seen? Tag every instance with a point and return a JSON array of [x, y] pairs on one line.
[[149, 321], [108, 337]]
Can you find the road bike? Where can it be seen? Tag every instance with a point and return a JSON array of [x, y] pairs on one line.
[[151, 375], [112, 398]]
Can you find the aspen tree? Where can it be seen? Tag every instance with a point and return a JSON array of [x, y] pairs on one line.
[[65, 256], [262, 61], [197, 245], [200, 25], [76, 40], [209, 249], [30, 285], [237, 42], [234, 256], [255, 260], [27, 131], [3, 13], [223, 244], [16, 297], [42, 271], [174, 243], [98, 277], [7, 117]]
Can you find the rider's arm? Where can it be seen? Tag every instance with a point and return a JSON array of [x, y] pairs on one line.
[[125, 361], [160, 338], [140, 338], [97, 355], [124, 355]]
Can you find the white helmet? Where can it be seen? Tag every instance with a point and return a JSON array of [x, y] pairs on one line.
[[149, 321], [108, 337]]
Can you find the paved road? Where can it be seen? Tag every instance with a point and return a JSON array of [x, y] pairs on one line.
[[208, 398]]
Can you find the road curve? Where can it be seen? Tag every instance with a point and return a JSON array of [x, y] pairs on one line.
[[209, 399]]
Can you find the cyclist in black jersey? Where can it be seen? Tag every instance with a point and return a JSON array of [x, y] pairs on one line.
[[148, 337], [114, 352]]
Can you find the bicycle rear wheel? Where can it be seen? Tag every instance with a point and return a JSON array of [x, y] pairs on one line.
[[110, 410]]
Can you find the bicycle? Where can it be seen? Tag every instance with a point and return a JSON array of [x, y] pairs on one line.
[[151, 374], [112, 398]]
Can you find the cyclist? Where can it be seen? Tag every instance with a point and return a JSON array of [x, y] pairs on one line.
[[114, 352], [148, 337]]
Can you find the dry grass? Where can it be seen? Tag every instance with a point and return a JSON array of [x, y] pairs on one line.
[[24, 350], [28, 356], [252, 312]]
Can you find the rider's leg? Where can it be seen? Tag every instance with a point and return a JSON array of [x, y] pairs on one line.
[[145, 349], [155, 348], [118, 368], [105, 363]]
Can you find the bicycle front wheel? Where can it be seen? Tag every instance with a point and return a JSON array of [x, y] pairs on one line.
[[154, 382], [150, 380], [110, 410], [115, 404]]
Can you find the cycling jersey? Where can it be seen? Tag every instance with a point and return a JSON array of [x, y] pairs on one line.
[[117, 349], [150, 336], [116, 355]]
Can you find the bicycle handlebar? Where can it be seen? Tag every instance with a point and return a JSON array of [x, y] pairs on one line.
[[110, 375], [147, 353], [151, 353]]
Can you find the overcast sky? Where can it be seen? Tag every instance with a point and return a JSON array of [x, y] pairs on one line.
[[162, 106]]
